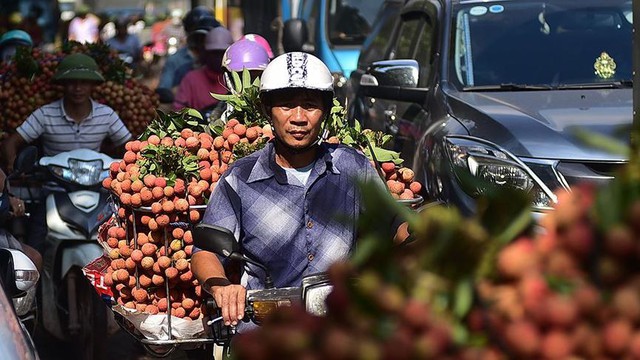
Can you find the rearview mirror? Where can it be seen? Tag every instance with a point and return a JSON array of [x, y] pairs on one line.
[[393, 80], [17, 272], [26, 160], [215, 239], [295, 36]]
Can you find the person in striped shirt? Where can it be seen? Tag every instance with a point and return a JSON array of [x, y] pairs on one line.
[[74, 122]]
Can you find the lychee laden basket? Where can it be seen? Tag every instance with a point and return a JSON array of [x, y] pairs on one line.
[[160, 334]]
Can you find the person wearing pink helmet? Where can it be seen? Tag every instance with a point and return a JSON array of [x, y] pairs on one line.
[[241, 55], [244, 54], [195, 88], [260, 41]]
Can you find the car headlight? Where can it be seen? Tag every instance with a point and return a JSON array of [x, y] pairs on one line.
[[85, 173], [498, 167]]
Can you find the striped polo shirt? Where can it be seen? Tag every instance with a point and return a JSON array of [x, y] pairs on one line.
[[60, 133]]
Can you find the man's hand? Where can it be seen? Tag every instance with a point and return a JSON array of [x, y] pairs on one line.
[[17, 206], [231, 299], [402, 233], [10, 149]]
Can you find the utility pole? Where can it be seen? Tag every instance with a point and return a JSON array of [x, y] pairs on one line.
[[635, 130]]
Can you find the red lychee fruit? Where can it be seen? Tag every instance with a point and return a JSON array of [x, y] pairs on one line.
[[149, 180], [517, 259], [626, 302], [388, 167], [522, 337], [560, 311], [616, 336], [140, 295], [619, 242], [556, 345], [157, 279], [171, 273]]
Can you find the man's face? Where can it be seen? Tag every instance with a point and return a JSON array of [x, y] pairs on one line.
[[212, 59], [78, 91], [297, 117]]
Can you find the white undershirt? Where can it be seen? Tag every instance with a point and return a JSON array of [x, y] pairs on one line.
[[302, 174]]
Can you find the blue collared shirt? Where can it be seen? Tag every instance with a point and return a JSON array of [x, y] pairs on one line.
[[291, 228]]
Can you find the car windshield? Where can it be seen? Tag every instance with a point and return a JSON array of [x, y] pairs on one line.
[[350, 21], [542, 44]]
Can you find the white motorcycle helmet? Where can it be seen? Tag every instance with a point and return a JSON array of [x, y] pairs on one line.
[[296, 70]]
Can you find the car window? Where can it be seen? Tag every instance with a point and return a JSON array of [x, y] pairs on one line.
[[551, 42], [416, 41], [383, 26], [424, 51], [408, 30]]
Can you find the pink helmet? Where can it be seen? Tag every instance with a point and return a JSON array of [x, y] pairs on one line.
[[245, 54], [261, 41]]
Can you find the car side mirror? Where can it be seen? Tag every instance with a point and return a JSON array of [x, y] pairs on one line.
[[26, 160], [393, 80], [295, 36], [215, 239], [17, 272]]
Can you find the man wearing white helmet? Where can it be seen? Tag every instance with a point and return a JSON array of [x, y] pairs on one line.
[[283, 202]]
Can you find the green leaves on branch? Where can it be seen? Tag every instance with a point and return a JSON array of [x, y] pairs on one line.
[[171, 124], [171, 162], [243, 149], [244, 100], [357, 137], [384, 155]]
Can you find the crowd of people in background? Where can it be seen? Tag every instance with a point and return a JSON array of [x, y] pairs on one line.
[[204, 56], [163, 51]]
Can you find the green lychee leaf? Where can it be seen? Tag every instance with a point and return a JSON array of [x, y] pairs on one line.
[[246, 78], [463, 298], [237, 82]]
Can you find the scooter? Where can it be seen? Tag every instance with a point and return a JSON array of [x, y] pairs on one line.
[[260, 303], [18, 277], [24, 297], [75, 207]]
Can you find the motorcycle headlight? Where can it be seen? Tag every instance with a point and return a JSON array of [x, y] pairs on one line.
[[498, 167], [25, 303], [85, 173]]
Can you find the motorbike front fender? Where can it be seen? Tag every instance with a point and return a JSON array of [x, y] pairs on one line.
[[78, 255]]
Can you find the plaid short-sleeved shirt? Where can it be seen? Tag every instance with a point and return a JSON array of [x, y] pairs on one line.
[[60, 133], [291, 228]]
